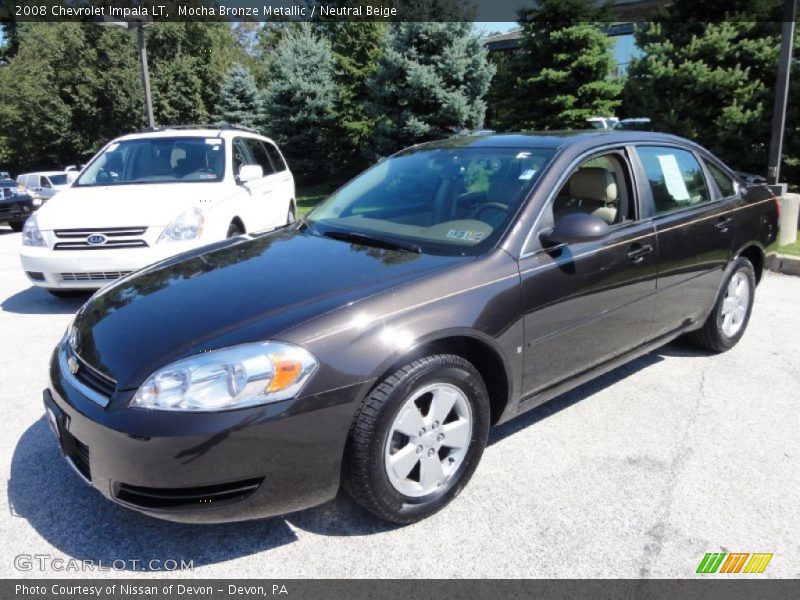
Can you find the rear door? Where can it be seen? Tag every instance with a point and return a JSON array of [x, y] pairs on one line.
[[269, 209], [694, 231], [282, 180], [586, 303]]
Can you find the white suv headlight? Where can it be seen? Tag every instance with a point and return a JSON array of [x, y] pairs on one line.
[[31, 236], [229, 378], [187, 226]]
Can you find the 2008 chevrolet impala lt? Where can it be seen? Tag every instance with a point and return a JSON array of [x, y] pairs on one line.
[[374, 343]]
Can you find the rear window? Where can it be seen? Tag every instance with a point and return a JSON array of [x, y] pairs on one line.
[[58, 179], [676, 178]]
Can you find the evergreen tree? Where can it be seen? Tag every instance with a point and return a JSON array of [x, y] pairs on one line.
[[298, 108], [356, 48], [239, 99], [711, 82], [563, 72], [430, 81]]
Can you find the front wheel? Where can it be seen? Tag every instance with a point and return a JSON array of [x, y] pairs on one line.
[[726, 324], [290, 217], [16, 225], [417, 439]]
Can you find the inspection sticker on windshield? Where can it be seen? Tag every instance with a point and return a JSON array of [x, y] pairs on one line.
[[213, 141], [527, 174], [465, 234]]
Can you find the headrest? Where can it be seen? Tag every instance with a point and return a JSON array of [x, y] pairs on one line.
[[593, 183]]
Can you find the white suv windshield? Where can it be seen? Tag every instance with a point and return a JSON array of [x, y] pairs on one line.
[[157, 160]]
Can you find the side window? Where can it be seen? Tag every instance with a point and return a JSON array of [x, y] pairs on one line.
[[259, 155], [240, 155], [275, 156], [45, 182], [724, 183], [675, 177], [600, 186]]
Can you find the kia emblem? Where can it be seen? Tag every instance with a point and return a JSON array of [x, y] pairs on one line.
[[96, 239]]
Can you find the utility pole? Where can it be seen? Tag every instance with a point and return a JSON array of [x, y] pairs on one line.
[[148, 99], [139, 25], [781, 92]]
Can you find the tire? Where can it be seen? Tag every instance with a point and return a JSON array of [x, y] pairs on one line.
[[375, 439], [17, 225], [291, 216], [234, 230], [728, 320]]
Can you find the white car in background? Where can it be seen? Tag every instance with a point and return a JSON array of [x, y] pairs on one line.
[[148, 196], [45, 184]]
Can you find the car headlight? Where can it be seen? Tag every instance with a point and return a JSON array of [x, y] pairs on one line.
[[31, 236], [187, 226], [229, 378]]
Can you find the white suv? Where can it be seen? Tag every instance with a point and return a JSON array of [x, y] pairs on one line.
[[151, 195]]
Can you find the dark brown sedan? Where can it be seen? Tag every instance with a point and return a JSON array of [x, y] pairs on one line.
[[373, 344]]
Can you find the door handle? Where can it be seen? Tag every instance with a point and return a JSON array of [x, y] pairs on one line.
[[724, 223], [637, 252]]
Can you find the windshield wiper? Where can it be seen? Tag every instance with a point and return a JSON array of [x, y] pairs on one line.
[[372, 240]]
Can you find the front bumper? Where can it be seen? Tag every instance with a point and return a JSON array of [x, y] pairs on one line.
[[204, 468], [15, 210], [92, 269]]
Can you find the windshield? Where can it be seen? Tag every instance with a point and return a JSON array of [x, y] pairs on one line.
[[58, 179], [157, 160], [444, 200]]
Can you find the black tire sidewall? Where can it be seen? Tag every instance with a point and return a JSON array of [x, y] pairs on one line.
[[741, 265], [466, 378], [233, 230]]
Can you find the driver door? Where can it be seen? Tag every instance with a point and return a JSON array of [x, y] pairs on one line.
[[588, 302]]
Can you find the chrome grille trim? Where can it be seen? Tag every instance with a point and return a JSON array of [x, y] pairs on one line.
[[110, 244], [106, 231], [94, 275], [84, 389]]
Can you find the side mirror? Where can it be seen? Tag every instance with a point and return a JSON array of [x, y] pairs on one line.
[[578, 227], [250, 173]]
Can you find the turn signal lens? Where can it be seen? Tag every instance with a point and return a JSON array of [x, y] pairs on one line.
[[286, 373]]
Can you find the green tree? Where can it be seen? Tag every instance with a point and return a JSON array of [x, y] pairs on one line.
[[356, 48], [298, 107], [711, 82], [563, 72], [430, 81], [239, 101]]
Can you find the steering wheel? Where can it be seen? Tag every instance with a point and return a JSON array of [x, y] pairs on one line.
[[488, 205]]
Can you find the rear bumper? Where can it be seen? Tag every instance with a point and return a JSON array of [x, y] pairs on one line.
[[204, 468], [91, 269]]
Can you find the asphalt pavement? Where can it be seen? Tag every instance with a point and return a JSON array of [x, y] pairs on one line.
[[636, 474]]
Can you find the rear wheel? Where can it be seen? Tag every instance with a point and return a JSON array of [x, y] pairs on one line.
[[726, 324], [417, 439], [17, 225], [290, 217], [234, 230]]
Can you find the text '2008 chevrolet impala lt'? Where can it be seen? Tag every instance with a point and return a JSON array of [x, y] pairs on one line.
[[374, 343]]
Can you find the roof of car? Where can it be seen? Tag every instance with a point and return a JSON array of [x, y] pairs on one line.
[[551, 139], [47, 173], [209, 132]]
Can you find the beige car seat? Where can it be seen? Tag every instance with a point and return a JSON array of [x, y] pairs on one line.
[[597, 192]]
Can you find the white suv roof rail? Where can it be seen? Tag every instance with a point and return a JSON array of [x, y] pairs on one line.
[[222, 126]]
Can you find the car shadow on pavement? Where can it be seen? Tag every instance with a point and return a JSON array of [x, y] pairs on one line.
[[83, 525], [573, 396], [36, 301]]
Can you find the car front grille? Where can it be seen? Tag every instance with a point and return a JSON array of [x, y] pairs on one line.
[[94, 275], [206, 495], [116, 238], [91, 377]]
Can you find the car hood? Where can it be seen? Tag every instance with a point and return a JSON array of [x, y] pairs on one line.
[[234, 292], [150, 205]]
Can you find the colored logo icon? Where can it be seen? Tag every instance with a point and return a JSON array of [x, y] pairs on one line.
[[734, 562]]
